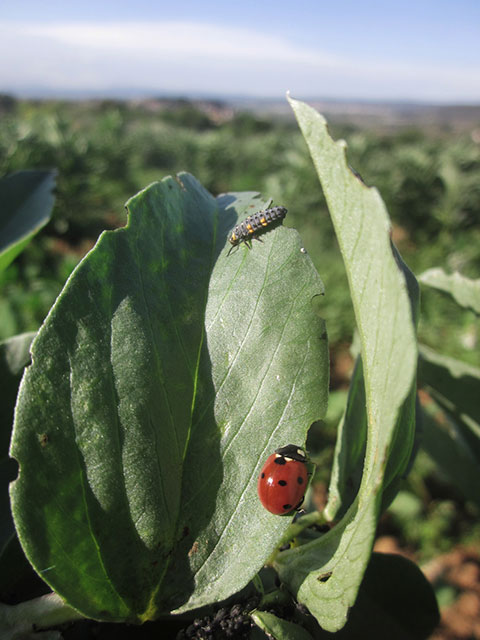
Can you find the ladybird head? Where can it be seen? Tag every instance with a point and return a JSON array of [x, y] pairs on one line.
[[293, 452]]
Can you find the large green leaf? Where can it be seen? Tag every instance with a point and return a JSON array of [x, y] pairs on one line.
[[452, 426], [26, 199], [453, 383], [447, 441], [325, 574], [352, 433], [395, 601], [162, 378], [464, 291], [349, 449]]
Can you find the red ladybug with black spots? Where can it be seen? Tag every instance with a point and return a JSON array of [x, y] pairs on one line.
[[283, 480]]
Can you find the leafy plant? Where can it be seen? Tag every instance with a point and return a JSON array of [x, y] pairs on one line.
[[451, 412], [27, 202], [162, 378]]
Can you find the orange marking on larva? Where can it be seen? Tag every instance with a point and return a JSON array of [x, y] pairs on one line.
[[250, 228], [264, 222]]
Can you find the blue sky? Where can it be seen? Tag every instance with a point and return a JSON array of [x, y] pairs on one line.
[[421, 50]]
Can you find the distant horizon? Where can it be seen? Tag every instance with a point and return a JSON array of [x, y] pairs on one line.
[[123, 94]]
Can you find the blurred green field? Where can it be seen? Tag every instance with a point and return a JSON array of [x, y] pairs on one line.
[[106, 151]]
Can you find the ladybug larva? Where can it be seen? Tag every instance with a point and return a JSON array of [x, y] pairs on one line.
[[255, 224]]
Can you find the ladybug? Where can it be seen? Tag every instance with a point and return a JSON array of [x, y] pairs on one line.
[[283, 480]]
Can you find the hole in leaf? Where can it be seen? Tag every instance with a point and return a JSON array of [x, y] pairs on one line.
[[324, 577]]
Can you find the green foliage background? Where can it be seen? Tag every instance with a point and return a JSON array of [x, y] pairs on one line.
[[107, 151]]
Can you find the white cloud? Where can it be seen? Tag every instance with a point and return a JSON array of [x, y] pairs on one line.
[[184, 57], [173, 39]]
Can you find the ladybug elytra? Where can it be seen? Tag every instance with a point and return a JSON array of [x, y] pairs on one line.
[[283, 480]]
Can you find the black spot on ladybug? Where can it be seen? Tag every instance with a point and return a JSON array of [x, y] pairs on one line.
[[280, 460], [282, 483], [263, 475], [300, 480], [287, 507]]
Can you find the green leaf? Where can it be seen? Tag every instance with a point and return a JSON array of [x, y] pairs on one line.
[[27, 201], [349, 449], [278, 628], [326, 574], [395, 601], [162, 378], [453, 383], [352, 434], [447, 442], [464, 291], [452, 426]]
